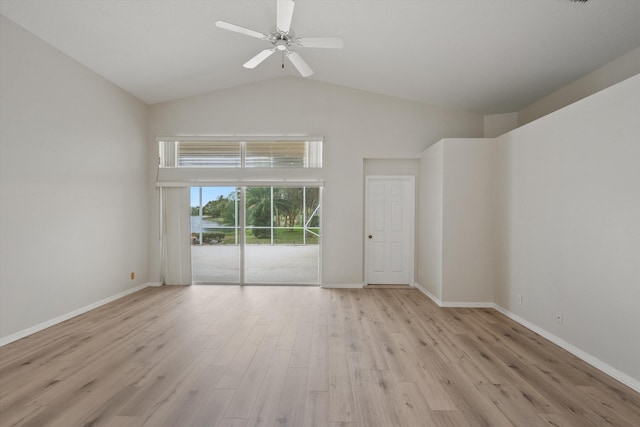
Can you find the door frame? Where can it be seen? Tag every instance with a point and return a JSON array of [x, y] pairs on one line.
[[410, 179]]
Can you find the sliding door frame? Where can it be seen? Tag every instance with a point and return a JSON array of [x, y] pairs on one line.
[[241, 229]]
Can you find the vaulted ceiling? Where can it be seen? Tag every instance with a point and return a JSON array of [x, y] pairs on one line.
[[485, 56]]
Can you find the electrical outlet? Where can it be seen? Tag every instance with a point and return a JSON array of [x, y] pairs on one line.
[[133, 275], [559, 317], [519, 298]]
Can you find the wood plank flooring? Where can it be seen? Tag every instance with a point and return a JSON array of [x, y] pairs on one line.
[[299, 356]]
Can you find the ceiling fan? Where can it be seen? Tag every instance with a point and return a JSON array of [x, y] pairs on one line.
[[283, 39]]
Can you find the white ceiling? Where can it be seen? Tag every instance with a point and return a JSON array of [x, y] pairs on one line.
[[487, 56]]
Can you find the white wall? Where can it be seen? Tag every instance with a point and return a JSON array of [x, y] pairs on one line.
[[430, 219], [392, 167], [456, 234], [549, 212], [356, 125], [569, 224], [73, 199], [468, 231]]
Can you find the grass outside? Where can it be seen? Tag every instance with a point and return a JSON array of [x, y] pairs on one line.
[[282, 236]]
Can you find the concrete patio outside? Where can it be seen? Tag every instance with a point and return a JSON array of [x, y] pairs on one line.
[[280, 264]]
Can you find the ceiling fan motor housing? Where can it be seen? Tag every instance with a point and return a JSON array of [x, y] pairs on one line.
[[282, 41]]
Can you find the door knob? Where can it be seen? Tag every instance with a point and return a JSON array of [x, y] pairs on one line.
[[370, 236]]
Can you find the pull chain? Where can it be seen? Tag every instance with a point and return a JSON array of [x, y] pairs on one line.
[[283, 59]]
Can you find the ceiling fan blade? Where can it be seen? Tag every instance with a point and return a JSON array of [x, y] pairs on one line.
[[238, 29], [322, 42], [256, 60], [285, 15], [298, 62]]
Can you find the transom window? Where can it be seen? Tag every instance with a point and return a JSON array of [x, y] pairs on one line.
[[262, 153]]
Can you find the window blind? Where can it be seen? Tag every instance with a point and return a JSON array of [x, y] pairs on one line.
[[207, 154], [258, 154], [281, 154]]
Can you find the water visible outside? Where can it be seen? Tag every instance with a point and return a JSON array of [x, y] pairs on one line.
[[205, 223]]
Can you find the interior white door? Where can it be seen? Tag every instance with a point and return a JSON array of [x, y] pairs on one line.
[[389, 229]]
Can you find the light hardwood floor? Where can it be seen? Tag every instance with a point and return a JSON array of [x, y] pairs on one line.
[[299, 356]]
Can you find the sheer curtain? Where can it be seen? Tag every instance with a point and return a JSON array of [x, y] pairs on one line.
[[176, 232]]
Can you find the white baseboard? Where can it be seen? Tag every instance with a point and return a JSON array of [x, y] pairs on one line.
[[428, 294], [454, 304], [154, 284], [44, 325], [464, 304], [342, 286], [591, 360]]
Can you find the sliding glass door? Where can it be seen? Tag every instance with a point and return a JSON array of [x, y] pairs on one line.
[[215, 234], [256, 235], [282, 235]]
